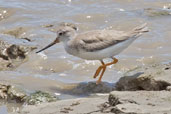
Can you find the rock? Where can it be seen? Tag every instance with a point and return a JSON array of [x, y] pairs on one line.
[[140, 102], [17, 94], [92, 87], [12, 93], [87, 88], [13, 52], [9, 92], [40, 97], [154, 77], [4, 91]]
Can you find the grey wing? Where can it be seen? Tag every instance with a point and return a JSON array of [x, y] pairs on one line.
[[101, 39], [98, 40]]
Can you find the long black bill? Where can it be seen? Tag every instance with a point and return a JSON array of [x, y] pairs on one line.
[[51, 44]]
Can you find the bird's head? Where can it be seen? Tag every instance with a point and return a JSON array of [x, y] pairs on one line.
[[64, 34]]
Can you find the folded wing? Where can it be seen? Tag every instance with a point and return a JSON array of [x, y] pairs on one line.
[[98, 40]]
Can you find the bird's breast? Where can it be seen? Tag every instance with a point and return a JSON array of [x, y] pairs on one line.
[[71, 50]]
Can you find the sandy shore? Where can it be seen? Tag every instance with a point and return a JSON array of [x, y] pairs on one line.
[[146, 93]]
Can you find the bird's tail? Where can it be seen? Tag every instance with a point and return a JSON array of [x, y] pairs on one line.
[[140, 29]]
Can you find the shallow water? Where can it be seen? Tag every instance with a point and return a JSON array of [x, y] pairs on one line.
[[54, 67]]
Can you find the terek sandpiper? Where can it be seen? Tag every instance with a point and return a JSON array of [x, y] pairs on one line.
[[96, 44]]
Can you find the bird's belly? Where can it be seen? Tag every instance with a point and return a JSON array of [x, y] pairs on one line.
[[105, 53], [99, 55]]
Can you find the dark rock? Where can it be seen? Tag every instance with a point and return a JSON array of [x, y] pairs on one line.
[[153, 77], [12, 93], [86, 88], [13, 52], [9, 93]]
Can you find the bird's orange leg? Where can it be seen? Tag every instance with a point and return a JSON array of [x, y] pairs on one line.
[[101, 75], [99, 69], [103, 66]]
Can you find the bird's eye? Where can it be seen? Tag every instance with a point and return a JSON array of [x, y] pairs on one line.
[[60, 33]]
